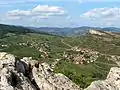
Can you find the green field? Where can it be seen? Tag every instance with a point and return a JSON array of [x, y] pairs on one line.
[[27, 44]]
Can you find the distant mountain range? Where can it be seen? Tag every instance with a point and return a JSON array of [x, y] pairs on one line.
[[72, 31], [53, 30]]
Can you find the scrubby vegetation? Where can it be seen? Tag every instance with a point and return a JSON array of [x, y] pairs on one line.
[[104, 45], [84, 74], [23, 42]]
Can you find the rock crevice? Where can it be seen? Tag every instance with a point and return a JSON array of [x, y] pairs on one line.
[[28, 74]]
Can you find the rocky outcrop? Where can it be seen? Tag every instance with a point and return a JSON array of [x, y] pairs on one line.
[[81, 55], [28, 74], [112, 81], [95, 32], [104, 35]]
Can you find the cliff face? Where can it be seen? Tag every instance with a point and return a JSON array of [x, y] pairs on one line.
[[28, 74]]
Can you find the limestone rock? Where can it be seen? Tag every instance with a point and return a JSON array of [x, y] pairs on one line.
[[46, 80], [112, 81], [28, 74], [95, 32]]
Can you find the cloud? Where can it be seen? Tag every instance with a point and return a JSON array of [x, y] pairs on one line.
[[46, 8], [40, 11], [102, 13], [18, 13], [39, 15], [106, 16]]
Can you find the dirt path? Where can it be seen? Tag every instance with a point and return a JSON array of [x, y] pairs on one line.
[[62, 41]]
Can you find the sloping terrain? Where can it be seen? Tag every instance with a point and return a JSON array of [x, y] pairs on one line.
[[83, 59], [28, 74], [66, 31], [112, 82]]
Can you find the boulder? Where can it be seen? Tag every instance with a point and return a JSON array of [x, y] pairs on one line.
[[28, 74], [112, 81]]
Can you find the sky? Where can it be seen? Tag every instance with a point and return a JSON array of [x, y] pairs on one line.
[[60, 13]]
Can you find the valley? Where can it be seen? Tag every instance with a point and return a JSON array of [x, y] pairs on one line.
[[83, 59]]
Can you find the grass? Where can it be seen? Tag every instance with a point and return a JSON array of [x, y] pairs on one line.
[[83, 75], [55, 47], [107, 47]]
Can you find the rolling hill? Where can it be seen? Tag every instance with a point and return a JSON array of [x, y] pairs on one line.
[[83, 58], [72, 31]]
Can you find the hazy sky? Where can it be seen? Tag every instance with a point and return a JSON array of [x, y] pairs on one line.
[[60, 13]]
